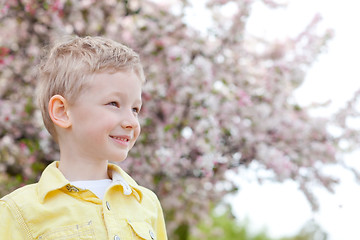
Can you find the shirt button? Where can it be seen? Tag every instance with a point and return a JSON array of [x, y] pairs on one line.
[[116, 237], [152, 235], [108, 206]]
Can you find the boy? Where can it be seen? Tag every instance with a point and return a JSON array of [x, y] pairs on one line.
[[90, 95]]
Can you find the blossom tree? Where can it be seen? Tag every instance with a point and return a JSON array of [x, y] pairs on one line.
[[214, 101]]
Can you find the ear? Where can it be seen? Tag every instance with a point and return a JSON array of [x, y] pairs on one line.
[[58, 111]]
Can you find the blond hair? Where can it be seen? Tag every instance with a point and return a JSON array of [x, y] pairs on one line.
[[66, 67]]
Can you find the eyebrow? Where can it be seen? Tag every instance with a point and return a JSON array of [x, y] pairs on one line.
[[121, 94]]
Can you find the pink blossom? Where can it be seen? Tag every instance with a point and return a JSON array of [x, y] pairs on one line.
[[231, 91]]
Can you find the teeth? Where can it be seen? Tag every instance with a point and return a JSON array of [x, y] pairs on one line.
[[121, 139]]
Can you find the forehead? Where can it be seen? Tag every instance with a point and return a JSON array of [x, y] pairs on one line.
[[118, 79], [112, 83]]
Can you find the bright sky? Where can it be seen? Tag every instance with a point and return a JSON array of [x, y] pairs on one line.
[[281, 208]]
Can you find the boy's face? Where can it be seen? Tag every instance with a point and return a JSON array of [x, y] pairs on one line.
[[104, 117]]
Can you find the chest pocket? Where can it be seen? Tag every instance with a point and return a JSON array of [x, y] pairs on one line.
[[82, 231], [142, 230]]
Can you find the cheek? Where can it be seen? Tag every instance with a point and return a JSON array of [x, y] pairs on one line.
[[139, 129], [136, 135], [137, 132], [97, 127]]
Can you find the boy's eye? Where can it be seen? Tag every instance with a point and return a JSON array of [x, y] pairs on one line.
[[136, 110], [115, 104]]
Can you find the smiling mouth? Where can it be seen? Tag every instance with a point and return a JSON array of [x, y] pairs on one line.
[[121, 138]]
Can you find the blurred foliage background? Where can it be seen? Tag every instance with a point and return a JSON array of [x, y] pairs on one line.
[[215, 101]]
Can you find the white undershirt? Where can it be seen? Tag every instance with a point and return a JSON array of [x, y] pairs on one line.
[[98, 187]]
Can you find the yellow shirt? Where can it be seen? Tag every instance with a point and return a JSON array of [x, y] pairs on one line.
[[54, 209]]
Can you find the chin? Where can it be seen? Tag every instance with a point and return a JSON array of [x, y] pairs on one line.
[[119, 159]]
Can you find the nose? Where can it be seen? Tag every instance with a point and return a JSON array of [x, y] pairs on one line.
[[129, 120]]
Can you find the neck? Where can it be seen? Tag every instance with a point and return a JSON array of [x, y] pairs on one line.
[[77, 164], [80, 169]]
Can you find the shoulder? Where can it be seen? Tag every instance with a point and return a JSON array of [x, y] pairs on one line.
[[22, 193], [150, 199], [12, 211], [20, 199], [12, 224], [148, 193]]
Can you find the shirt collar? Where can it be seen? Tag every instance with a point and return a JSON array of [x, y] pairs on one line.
[[52, 179], [120, 177]]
